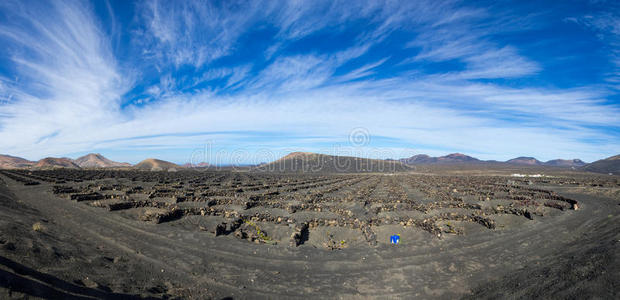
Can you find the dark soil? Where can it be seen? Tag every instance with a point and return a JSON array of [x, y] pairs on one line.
[[206, 234]]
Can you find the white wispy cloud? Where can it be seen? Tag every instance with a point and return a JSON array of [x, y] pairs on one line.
[[67, 76], [605, 24], [459, 36], [193, 32], [363, 71], [498, 63]]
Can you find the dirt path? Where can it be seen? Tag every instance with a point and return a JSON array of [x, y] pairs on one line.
[[195, 264]]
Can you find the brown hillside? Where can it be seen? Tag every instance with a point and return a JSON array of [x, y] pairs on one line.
[[52, 162], [13, 162], [525, 161], [305, 162], [153, 164], [606, 166], [96, 160]]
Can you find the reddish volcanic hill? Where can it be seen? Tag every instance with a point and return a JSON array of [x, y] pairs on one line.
[[448, 159], [306, 162], [96, 160], [456, 158], [565, 163], [13, 162], [153, 164], [530, 161], [418, 159], [607, 165], [52, 162]]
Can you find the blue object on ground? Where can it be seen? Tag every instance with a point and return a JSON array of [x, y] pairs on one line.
[[395, 239]]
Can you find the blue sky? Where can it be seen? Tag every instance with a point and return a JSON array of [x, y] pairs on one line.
[[245, 82]]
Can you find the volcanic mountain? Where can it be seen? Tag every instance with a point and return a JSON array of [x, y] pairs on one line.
[[302, 162], [12, 162], [96, 160], [153, 164], [52, 162], [565, 163], [456, 158], [607, 165], [418, 159], [530, 161], [453, 158]]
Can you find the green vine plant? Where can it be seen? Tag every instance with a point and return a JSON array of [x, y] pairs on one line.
[[260, 234]]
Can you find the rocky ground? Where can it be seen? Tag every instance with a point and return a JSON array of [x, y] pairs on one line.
[[123, 234]]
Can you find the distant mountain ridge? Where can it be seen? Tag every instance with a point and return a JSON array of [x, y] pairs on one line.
[[300, 161], [53, 162], [458, 158], [605, 166], [306, 162], [13, 162], [566, 162], [450, 158], [92, 160], [523, 160], [418, 159], [96, 160], [531, 161], [153, 164]]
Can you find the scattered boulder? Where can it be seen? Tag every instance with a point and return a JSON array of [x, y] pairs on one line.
[[300, 235], [369, 235]]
